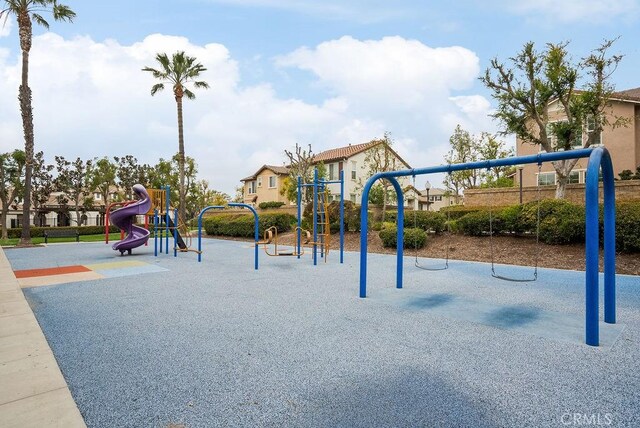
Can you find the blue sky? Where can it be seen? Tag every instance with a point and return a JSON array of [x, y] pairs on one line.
[[323, 73]]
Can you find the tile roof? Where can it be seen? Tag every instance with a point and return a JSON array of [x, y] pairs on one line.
[[343, 152], [628, 94], [282, 170]]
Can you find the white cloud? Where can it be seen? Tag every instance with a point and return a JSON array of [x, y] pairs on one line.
[[92, 99], [581, 11], [401, 86], [6, 23]]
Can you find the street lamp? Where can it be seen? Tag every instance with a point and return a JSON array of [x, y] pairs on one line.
[[520, 167], [427, 187]]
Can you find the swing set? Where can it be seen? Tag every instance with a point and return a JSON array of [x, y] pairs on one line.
[[599, 160]]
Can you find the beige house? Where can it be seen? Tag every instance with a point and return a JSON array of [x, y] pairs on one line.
[[353, 160], [623, 143], [265, 185]]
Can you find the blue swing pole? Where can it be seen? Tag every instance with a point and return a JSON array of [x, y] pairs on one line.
[[315, 217], [175, 232], [155, 233], [299, 204], [166, 218]]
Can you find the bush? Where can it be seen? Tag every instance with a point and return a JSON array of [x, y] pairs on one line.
[[511, 218], [413, 237], [457, 211], [425, 220], [242, 225], [628, 227], [270, 204], [38, 232], [561, 222], [351, 216], [475, 223]]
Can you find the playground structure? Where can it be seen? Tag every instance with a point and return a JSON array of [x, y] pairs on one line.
[[125, 217], [165, 226], [599, 160], [321, 224]]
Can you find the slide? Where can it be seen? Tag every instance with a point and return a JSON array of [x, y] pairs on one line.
[[179, 239], [126, 216]]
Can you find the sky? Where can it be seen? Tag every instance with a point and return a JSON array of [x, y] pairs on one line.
[[325, 73]]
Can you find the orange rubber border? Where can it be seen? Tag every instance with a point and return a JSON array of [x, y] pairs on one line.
[[30, 273]]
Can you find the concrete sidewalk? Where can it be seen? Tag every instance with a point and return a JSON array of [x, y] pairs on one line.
[[33, 392]]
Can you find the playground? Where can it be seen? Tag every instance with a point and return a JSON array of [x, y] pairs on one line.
[[217, 343]]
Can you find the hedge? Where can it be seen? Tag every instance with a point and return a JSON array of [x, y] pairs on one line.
[[628, 227], [351, 216], [413, 237], [270, 204], [425, 220], [38, 232], [243, 224]]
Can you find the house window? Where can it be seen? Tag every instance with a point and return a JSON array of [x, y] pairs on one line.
[[259, 182], [553, 139], [574, 177], [353, 169], [272, 182], [591, 127], [97, 196], [352, 197], [332, 171], [252, 187], [546, 178]]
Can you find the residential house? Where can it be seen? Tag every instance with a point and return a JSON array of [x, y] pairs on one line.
[[352, 159], [265, 185], [622, 142], [436, 199]]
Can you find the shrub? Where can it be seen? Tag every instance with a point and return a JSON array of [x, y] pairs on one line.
[[243, 224], [475, 223], [270, 204], [413, 237], [561, 222], [511, 218], [351, 215], [425, 220], [457, 211], [38, 232], [627, 227], [377, 226]]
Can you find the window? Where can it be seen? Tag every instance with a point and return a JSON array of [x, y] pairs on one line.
[[352, 197], [591, 127], [252, 187], [97, 196], [546, 178], [553, 139], [272, 182], [259, 182], [332, 171], [574, 177], [353, 169]]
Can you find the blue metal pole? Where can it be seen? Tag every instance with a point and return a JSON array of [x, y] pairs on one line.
[[167, 218], [299, 203], [315, 216], [256, 227], [155, 233], [591, 251], [342, 216], [609, 238], [175, 232], [200, 227]]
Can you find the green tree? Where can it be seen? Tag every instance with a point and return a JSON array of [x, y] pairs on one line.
[[381, 158], [72, 180], [464, 148], [178, 72], [11, 175], [41, 185], [25, 12], [128, 173], [490, 147], [101, 175], [534, 82]]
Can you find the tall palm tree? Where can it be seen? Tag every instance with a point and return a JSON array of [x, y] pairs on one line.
[[178, 71], [25, 12]]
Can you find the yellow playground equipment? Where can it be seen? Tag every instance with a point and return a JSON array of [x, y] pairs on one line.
[[162, 213]]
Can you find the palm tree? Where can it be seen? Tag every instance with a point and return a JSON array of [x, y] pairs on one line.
[[26, 11], [178, 71]]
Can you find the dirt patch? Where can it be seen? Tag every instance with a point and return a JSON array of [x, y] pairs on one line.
[[506, 249]]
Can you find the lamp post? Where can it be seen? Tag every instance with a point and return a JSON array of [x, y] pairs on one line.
[[520, 167], [427, 187]]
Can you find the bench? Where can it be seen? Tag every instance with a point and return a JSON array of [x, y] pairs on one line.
[[61, 233]]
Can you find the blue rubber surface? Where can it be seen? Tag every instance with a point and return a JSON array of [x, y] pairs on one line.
[[218, 344]]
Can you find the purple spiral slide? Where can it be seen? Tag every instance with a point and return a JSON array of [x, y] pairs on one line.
[[125, 217]]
